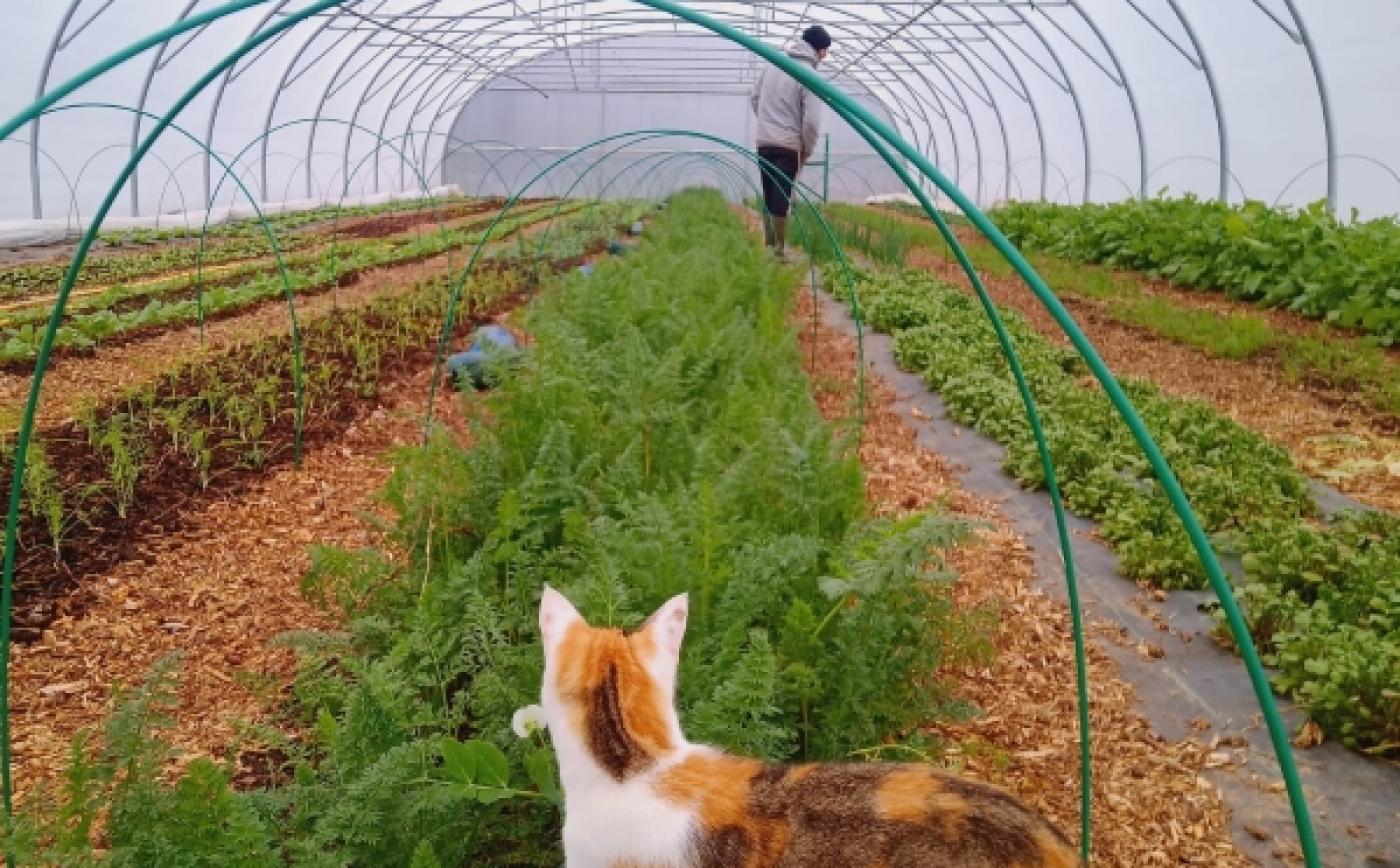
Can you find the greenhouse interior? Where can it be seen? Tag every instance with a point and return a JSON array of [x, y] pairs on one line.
[[699, 433]]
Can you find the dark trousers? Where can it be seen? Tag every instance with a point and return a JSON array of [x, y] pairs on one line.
[[778, 175]]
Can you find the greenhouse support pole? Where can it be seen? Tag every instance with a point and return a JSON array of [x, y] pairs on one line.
[[1329, 131]]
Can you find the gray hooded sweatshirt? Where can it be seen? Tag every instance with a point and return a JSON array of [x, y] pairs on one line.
[[789, 116]]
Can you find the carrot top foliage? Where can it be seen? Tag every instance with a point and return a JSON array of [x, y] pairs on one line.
[[659, 436]]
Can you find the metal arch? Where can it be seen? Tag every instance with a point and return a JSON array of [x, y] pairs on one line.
[[178, 186], [1221, 126], [900, 110], [345, 61], [1333, 159], [844, 165], [515, 178], [141, 105], [611, 22], [287, 154], [409, 67], [1113, 176], [460, 146], [392, 51], [224, 78], [1122, 80], [423, 186], [709, 163], [58, 167], [87, 164], [37, 202], [1010, 176], [322, 190], [1127, 85], [1182, 158], [286, 74], [1029, 99], [1067, 85], [331, 19], [685, 158], [171, 178], [296, 165], [690, 168], [992, 101], [82, 170], [1049, 164], [1302, 36], [392, 57], [492, 167], [1073, 95], [1329, 130], [953, 80]]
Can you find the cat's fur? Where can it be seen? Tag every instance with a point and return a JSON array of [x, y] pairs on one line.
[[638, 795]]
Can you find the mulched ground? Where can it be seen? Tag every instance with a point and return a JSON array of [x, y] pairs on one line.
[[1331, 435], [222, 586], [216, 591], [1151, 805]]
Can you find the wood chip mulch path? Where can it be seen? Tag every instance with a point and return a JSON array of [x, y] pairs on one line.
[[217, 592], [1151, 806], [1330, 435]]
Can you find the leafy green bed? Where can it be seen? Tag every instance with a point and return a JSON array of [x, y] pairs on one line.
[[1305, 260], [659, 437], [1324, 356], [93, 321], [1323, 600], [132, 254]]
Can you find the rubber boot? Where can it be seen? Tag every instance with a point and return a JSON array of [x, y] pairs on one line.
[[780, 237], [768, 230]]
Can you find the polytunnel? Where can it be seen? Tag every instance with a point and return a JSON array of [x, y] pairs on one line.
[[1039, 505]]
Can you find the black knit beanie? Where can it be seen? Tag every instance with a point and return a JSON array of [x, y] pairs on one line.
[[817, 37]]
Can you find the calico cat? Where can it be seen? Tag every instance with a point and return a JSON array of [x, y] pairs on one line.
[[638, 795]]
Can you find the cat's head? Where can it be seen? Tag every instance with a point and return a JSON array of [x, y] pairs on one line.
[[610, 694]]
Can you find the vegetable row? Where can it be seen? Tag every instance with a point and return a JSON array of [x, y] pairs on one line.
[[124, 310], [1322, 597], [659, 436], [1305, 260], [1321, 356]]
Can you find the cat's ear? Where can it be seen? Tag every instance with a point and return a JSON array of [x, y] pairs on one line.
[[557, 614], [667, 624]]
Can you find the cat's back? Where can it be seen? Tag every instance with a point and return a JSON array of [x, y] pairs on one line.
[[757, 815]]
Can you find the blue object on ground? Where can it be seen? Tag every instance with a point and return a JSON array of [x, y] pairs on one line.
[[616, 247], [586, 269], [491, 346]]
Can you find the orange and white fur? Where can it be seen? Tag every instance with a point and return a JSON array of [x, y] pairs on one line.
[[638, 795]]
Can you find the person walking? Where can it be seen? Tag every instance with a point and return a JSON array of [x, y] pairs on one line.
[[788, 123]]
